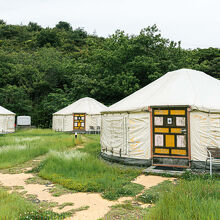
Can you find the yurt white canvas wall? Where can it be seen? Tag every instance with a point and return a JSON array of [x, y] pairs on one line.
[[82, 115], [170, 122], [7, 120]]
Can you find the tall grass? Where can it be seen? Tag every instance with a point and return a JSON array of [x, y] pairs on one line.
[[12, 206], [84, 171], [94, 137], [153, 194], [35, 132], [25, 145], [196, 199]]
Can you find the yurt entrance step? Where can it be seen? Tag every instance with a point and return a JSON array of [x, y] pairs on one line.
[[171, 162], [164, 170], [170, 136]]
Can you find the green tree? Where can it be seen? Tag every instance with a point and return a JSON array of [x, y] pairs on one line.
[[48, 37], [32, 26], [64, 26], [15, 99]]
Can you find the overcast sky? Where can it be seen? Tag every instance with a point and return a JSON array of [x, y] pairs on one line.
[[196, 23]]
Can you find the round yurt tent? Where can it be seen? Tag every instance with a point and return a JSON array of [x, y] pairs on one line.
[[82, 116], [169, 122], [7, 120]]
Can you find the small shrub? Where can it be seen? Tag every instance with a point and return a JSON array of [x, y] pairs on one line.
[[43, 215], [130, 189], [127, 211], [189, 175]]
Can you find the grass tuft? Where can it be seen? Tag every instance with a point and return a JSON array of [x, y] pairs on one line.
[[152, 195], [65, 204], [126, 211]]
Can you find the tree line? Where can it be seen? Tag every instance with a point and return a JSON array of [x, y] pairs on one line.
[[45, 69]]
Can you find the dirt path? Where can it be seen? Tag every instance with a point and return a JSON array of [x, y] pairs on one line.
[[149, 181], [78, 147]]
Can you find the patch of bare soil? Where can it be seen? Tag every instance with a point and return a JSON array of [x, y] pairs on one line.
[[14, 179], [78, 147], [149, 181]]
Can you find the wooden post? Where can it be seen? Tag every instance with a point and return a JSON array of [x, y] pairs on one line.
[[151, 131], [189, 140]]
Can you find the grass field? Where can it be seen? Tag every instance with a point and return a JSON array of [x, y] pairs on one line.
[[25, 145], [188, 199], [82, 170]]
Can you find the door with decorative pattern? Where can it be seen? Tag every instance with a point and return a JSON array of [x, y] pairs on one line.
[[79, 120], [170, 132]]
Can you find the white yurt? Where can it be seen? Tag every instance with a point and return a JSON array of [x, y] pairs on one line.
[[23, 121], [82, 115], [169, 122], [7, 120]]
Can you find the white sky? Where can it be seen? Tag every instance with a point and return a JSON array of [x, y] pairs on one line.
[[195, 22]]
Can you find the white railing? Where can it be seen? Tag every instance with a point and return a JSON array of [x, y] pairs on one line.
[[210, 162]]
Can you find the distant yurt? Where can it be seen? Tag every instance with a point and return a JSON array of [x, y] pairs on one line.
[[82, 116], [24, 121], [7, 120], [170, 122]]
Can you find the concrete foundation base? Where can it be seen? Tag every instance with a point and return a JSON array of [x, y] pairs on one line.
[[127, 161], [164, 170]]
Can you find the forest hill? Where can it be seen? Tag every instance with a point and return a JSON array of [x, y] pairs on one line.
[[45, 69]]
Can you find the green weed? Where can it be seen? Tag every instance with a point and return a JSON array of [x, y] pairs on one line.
[[126, 211], [65, 204], [152, 195], [59, 190]]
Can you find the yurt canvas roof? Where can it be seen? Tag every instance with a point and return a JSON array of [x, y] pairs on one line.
[[184, 87], [84, 105], [4, 111]]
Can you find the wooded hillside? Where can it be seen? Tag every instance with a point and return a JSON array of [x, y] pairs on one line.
[[44, 69]]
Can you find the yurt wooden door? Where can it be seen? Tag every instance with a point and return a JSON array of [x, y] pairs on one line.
[[170, 136], [79, 120]]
